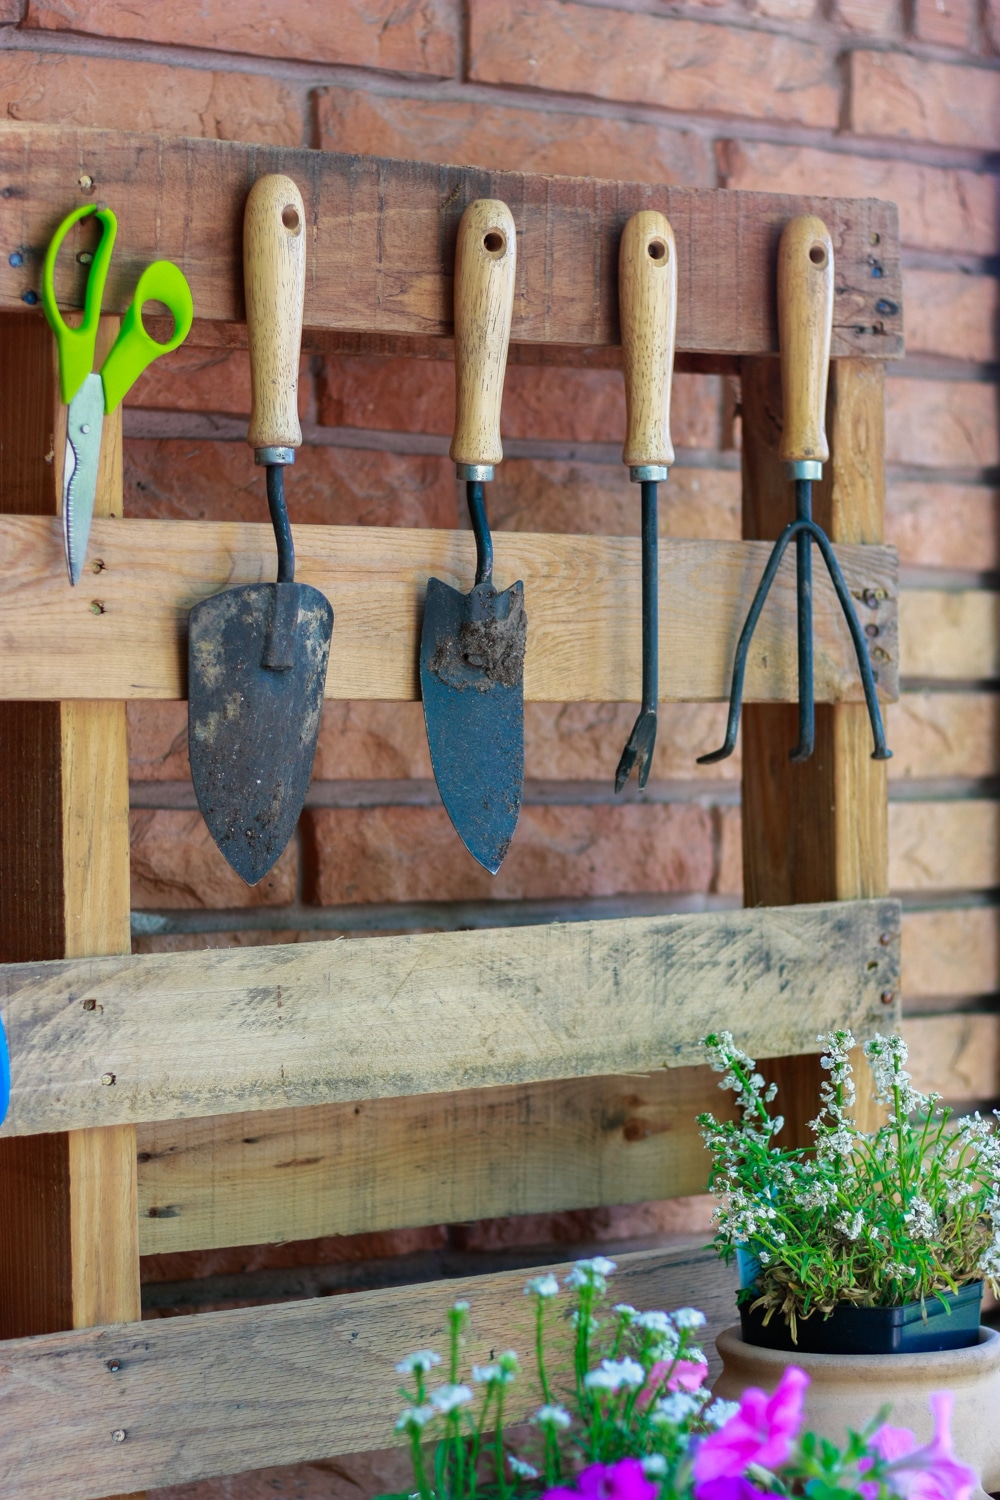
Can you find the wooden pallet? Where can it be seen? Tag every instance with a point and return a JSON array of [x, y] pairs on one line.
[[427, 1078]]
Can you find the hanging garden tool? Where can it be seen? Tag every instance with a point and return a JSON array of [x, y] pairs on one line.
[[647, 300], [472, 645], [90, 395], [257, 655], [805, 322]]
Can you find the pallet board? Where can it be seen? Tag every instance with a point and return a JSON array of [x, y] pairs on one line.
[[382, 234], [178, 1035], [243, 1389], [122, 632]]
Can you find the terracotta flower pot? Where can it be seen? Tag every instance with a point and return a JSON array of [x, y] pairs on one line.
[[847, 1390]]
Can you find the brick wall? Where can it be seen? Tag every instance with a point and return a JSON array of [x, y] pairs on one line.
[[860, 97]]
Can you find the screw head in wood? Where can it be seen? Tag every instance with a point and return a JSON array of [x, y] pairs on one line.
[[107, 1079], [114, 1365], [119, 1435], [885, 939], [887, 997]]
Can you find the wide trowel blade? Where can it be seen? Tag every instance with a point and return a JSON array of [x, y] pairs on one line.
[[257, 659], [471, 670]]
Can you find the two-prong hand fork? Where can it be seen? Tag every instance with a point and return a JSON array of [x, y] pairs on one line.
[[805, 321]]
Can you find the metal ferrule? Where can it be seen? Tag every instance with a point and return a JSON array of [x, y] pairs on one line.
[[804, 468], [265, 456], [647, 473], [474, 473]]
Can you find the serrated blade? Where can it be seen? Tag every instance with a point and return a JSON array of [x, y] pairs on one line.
[[83, 451]]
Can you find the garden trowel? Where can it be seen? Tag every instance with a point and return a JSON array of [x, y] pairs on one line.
[[257, 655], [472, 645]]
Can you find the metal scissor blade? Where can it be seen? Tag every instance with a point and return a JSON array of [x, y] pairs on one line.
[[83, 451]]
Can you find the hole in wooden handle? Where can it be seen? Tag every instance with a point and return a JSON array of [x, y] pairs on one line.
[[290, 218], [657, 250], [494, 242], [817, 254]]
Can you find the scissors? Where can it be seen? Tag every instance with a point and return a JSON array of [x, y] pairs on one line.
[[90, 395]]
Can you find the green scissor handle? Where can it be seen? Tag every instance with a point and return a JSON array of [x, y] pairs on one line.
[[76, 345], [134, 349]]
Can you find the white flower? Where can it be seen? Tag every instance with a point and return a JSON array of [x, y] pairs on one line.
[[612, 1374], [676, 1407], [591, 1272], [852, 1228], [688, 1317], [423, 1360], [542, 1286], [520, 1468], [460, 1307], [654, 1465], [552, 1416], [414, 1416], [921, 1220], [719, 1413], [447, 1397], [626, 1312], [502, 1372], [657, 1322]]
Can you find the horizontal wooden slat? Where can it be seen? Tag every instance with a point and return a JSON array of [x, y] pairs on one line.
[[178, 1035], [950, 634], [122, 632], [218, 1392], [957, 1056], [382, 235], [292, 1174]]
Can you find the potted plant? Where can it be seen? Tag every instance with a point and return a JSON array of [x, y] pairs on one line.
[[864, 1253], [623, 1413]]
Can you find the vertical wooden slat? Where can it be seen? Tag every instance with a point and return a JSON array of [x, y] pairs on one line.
[[69, 1252], [816, 831]]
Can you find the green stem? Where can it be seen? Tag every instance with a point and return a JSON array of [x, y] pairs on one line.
[[543, 1379], [419, 1470]]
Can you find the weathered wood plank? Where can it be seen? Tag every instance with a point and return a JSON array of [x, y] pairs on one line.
[[123, 634], [186, 1034], [247, 1179], [382, 240], [199, 1395]]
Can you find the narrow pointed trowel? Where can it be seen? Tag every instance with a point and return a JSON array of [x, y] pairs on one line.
[[257, 655], [472, 645]]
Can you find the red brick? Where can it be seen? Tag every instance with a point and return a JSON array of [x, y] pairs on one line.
[[157, 741], [631, 56], [372, 742], [12, 11], [991, 23], [327, 1250], [945, 22], [783, 10], [131, 95], [872, 17], [171, 479], [598, 499], [944, 525], [414, 854], [942, 423], [175, 864], [506, 139], [202, 380], [583, 741], [578, 1227], [409, 395], [951, 314], [944, 734], [940, 208], [892, 94], [414, 38]]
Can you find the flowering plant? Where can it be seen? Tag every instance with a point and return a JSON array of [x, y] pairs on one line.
[[629, 1418], [903, 1213]]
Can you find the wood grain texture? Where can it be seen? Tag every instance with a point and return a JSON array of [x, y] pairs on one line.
[[274, 284], [805, 322], [268, 1385], [485, 271], [647, 300], [253, 1178], [382, 236], [816, 831], [210, 1032], [124, 636]]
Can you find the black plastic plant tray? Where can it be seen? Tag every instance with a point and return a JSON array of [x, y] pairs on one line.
[[910, 1329]]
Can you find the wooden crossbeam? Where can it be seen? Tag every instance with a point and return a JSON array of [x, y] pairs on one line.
[[382, 234], [203, 1395], [177, 1035], [122, 632]]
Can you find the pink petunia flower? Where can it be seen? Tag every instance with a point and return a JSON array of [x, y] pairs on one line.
[[624, 1480], [931, 1472], [761, 1432], [732, 1489], [684, 1375]]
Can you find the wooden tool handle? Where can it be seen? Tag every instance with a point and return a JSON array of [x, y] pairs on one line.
[[274, 279], [485, 262], [647, 302], [805, 321]]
